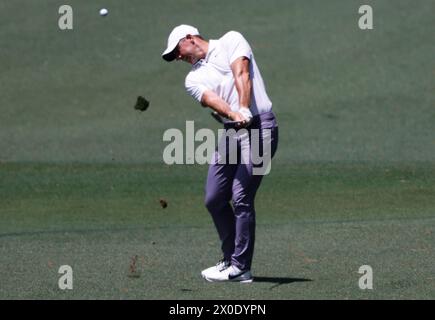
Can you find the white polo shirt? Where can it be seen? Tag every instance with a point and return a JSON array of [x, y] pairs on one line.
[[214, 73]]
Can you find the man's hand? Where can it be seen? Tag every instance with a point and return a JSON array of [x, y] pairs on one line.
[[246, 113], [243, 117], [212, 100]]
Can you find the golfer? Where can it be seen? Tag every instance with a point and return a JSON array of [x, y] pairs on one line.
[[225, 78]]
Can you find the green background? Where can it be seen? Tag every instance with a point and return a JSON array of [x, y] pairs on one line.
[[81, 171]]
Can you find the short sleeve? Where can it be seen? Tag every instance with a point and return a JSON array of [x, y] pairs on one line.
[[236, 46], [194, 87]]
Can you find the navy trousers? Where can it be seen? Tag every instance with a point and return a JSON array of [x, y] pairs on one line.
[[231, 188]]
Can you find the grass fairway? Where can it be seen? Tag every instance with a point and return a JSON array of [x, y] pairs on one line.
[[81, 171], [317, 224]]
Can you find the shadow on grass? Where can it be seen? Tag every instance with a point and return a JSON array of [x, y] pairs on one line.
[[279, 281]]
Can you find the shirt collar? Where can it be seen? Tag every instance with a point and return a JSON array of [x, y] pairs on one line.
[[211, 47]]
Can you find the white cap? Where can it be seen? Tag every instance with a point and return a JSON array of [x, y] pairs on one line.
[[176, 35]]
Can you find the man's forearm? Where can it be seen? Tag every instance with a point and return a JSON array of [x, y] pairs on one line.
[[243, 86], [213, 101], [242, 81]]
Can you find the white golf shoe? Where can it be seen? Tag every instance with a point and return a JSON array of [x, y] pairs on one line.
[[220, 266], [231, 273]]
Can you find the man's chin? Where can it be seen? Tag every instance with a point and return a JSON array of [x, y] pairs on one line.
[[193, 60]]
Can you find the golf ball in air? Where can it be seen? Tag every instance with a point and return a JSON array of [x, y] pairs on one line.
[[104, 12]]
